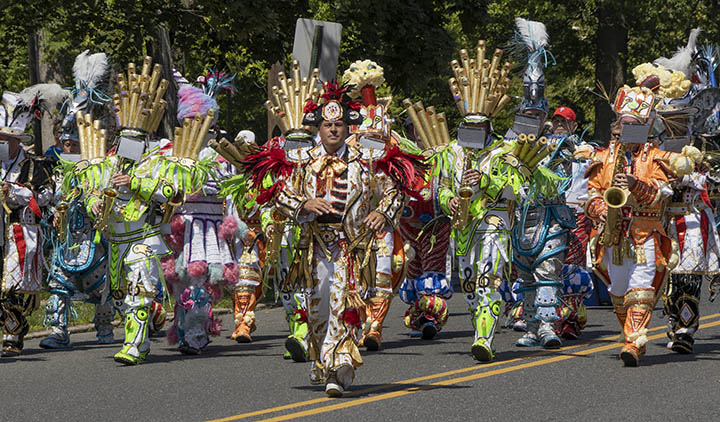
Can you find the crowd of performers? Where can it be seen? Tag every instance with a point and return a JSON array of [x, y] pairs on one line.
[[340, 213]]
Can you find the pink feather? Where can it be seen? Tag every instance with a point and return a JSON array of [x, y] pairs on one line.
[[168, 268], [197, 269], [231, 274], [228, 228]]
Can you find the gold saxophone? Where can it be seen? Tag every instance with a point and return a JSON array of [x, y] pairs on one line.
[[171, 206], [464, 194], [62, 213], [615, 198], [108, 199]]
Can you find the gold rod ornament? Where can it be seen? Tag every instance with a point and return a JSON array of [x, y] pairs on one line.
[[424, 122], [416, 122], [444, 129], [457, 97], [187, 123], [204, 129], [80, 122], [435, 126]]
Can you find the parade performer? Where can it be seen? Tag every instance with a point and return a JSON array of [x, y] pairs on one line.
[[78, 263], [542, 221], [627, 184], [576, 276], [689, 213], [27, 189], [424, 227], [250, 248], [478, 185], [202, 234], [330, 194], [282, 234], [364, 77], [133, 191]]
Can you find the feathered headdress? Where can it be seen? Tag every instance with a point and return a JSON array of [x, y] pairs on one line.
[[706, 59], [193, 101], [530, 46], [92, 74], [334, 104], [682, 59], [215, 81]]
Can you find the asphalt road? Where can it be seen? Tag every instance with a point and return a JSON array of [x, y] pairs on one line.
[[410, 379]]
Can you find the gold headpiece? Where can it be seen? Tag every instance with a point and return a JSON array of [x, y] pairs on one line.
[[430, 127], [189, 138], [139, 104], [479, 87], [287, 102], [93, 140]]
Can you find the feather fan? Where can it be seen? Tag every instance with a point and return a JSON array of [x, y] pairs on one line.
[[92, 70], [682, 58]]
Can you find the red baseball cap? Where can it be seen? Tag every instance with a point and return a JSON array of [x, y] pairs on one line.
[[565, 112]]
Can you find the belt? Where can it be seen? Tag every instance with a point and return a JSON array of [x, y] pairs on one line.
[[331, 233], [647, 215]]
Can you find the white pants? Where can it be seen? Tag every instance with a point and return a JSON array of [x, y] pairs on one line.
[[336, 340], [630, 275]]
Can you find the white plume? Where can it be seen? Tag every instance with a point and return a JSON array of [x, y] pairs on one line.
[[533, 34], [92, 69], [50, 96], [682, 58]]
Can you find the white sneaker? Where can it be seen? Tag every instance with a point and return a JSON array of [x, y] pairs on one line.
[[333, 388]]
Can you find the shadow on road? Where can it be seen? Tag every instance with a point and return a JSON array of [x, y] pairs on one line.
[[365, 390]]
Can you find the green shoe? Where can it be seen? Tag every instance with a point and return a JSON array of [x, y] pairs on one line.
[[296, 350], [287, 355], [481, 352], [127, 359]]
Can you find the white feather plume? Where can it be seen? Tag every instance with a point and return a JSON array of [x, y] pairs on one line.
[[92, 69], [682, 58], [533, 33], [50, 96]]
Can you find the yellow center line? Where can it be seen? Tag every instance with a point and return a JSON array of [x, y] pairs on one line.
[[500, 371], [441, 375]]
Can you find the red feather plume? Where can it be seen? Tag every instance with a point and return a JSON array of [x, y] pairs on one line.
[[267, 161], [266, 195], [404, 168]]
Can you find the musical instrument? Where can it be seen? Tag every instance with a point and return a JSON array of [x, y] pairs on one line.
[[62, 213], [464, 194], [615, 198]]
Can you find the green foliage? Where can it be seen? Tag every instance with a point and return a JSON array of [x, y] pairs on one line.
[[413, 41]]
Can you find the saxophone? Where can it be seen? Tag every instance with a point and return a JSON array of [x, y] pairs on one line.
[[615, 198], [108, 199], [465, 193], [62, 213]]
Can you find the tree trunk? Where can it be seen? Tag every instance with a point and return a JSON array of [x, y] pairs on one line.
[[162, 53], [41, 72], [34, 67], [611, 42]]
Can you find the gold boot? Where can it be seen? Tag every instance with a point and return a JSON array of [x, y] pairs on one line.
[[639, 304], [245, 301], [376, 310], [620, 311]]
